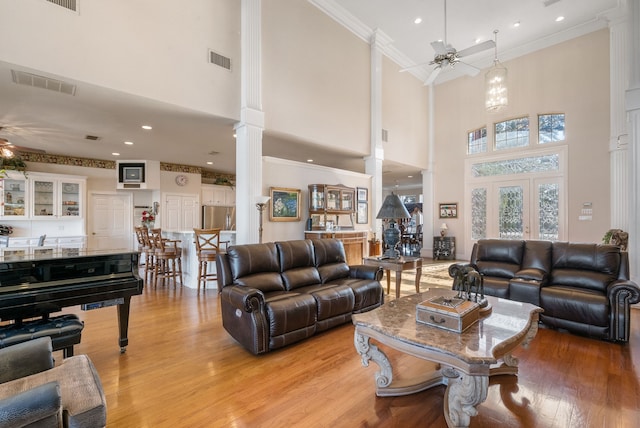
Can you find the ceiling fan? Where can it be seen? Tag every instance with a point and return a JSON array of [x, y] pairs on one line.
[[447, 55], [7, 145]]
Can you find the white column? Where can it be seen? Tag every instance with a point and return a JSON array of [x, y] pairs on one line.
[[249, 129], [373, 163], [618, 148], [633, 111], [428, 205]]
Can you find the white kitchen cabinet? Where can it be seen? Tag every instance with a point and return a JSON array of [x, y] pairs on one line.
[[213, 194], [14, 189], [39, 196], [180, 212], [56, 196]]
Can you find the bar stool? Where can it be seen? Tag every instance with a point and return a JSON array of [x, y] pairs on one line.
[[145, 246], [207, 247], [167, 259]]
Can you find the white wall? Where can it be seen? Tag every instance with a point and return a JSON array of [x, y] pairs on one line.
[[297, 175], [155, 49]]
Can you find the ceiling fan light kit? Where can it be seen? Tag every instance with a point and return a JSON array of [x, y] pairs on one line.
[[496, 95]]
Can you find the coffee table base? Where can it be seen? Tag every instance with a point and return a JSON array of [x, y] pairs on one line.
[[464, 391]]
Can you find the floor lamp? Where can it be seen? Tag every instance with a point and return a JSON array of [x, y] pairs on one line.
[[261, 202]]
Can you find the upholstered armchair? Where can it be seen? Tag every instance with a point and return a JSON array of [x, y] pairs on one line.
[[37, 406], [34, 392]]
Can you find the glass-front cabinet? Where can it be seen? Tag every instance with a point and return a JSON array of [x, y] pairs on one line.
[[14, 197], [331, 199], [40, 196]]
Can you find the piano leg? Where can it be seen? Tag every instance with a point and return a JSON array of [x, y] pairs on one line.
[[123, 323]]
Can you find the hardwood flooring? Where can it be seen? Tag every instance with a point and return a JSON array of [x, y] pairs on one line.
[[182, 369]]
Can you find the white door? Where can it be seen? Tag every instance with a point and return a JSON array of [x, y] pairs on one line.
[[110, 221], [182, 212]]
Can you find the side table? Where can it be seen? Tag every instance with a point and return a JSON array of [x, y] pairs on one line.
[[397, 265], [444, 247]]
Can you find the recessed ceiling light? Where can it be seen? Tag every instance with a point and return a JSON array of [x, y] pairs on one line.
[[478, 40], [516, 24], [209, 163], [147, 127], [418, 20], [309, 160], [129, 143], [409, 176], [115, 154], [560, 18]]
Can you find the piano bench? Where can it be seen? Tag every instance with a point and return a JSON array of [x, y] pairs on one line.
[[64, 331]]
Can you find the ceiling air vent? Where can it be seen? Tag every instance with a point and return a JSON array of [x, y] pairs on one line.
[[91, 137], [24, 78], [67, 4], [219, 60]]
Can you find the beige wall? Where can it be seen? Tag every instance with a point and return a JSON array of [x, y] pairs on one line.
[[315, 77], [570, 78], [296, 175]]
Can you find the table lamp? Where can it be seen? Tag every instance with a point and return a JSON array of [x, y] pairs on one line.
[[392, 208]]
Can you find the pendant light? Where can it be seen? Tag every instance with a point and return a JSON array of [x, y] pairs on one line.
[[496, 96]]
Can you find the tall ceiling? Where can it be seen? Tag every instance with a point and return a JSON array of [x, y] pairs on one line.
[[57, 123]]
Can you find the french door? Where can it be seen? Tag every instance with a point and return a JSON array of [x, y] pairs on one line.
[[528, 204]]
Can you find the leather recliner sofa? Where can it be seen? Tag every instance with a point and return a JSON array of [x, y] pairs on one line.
[[583, 288], [275, 294]]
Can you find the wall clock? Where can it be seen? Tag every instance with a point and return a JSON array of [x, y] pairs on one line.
[[182, 180]]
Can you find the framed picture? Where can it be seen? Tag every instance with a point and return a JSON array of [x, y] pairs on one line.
[[285, 204], [363, 194], [449, 210], [362, 214]]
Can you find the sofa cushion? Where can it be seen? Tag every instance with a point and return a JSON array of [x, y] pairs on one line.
[[575, 304], [368, 293], [536, 260], [296, 254], [333, 300], [255, 265], [498, 257], [590, 266], [287, 312]]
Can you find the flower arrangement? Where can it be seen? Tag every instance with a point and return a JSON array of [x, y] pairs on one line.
[[148, 219]]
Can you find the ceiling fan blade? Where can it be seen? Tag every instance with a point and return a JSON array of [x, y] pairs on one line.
[[433, 76], [5, 143], [439, 47], [467, 68], [477, 48]]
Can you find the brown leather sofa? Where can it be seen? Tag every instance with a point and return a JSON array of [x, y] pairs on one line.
[[583, 288], [275, 294]]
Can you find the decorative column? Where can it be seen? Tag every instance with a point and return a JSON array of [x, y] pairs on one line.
[[428, 204], [633, 112], [249, 129], [618, 141], [373, 163]]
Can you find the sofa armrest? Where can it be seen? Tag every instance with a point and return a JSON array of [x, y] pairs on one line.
[[39, 405], [365, 272], [622, 294], [244, 298], [25, 359]]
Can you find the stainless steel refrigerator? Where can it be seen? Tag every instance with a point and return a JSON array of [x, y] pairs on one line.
[[219, 217]]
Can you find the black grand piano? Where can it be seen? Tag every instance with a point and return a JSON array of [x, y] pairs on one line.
[[38, 285]]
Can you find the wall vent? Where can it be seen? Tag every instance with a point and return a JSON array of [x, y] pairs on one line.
[[385, 135], [219, 60], [67, 4], [42, 82], [91, 137]]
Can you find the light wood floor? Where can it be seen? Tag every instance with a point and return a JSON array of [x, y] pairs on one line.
[[182, 369]]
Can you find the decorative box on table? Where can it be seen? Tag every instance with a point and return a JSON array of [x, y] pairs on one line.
[[448, 313]]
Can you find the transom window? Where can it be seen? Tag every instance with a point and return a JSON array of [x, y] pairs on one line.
[[512, 133], [477, 141], [550, 128]]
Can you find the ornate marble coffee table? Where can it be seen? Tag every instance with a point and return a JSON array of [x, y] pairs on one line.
[[462, 361]]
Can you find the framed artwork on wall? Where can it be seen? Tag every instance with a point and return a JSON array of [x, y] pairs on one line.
[[362, 214], [449, 210], [285, 204], [363, 194]]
